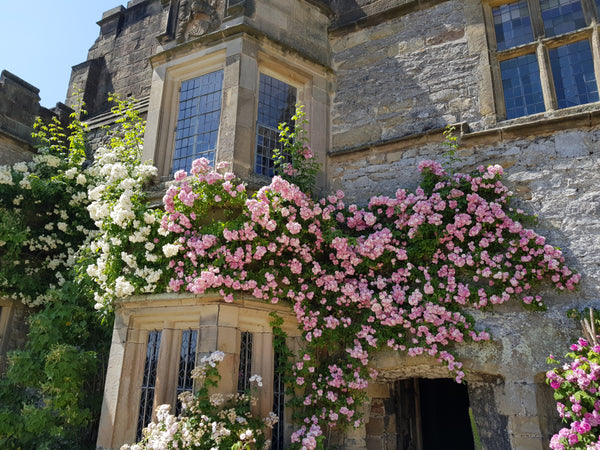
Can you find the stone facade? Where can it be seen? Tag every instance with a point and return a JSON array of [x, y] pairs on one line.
[[381, 79]]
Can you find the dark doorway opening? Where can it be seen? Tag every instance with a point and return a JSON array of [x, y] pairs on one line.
[[433, 414]]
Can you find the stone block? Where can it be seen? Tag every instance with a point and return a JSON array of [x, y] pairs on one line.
[[378, 390]]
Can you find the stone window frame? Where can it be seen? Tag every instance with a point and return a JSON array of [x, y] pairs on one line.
[[300, 81], [242, 58], [539, 46], [159, 141], [220, 327]]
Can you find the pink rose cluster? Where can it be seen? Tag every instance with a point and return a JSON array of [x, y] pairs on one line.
[[397, 273], [577, 390]]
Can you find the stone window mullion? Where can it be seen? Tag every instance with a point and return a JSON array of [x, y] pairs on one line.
[[535, 14], [537, 25], [595, 44], [546, 79]]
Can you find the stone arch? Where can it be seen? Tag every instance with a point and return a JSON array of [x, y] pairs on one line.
[[405, 395]]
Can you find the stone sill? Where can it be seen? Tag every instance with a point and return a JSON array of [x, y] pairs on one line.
[[544, 124]]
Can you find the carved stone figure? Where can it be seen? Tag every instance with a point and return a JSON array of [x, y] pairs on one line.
[[196, 18]]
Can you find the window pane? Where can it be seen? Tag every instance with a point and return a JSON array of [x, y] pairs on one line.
[[561, 16], [522, 87], [276, 104], [512, 25], [573, 73], [149, 382], [187, 362], [198, 120], [245, 362]]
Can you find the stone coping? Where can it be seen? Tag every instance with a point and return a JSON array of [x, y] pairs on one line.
[[188, 299], [108, 118]]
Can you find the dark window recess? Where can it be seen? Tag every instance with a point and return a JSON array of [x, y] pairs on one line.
[[148, 382], [433, 414], [198, 120], [187, 362], [278, 402], [245, 362], [276, 104]]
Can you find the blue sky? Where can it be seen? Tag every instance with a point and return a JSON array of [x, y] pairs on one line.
[[41, 39]]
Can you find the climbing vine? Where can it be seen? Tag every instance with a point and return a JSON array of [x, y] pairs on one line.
[[51, 393]]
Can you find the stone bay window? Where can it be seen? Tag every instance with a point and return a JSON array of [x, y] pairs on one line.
[[224, 102], [153, 353], [547, 54]]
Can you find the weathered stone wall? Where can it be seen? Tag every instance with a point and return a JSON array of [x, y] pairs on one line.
[[118, 62], [301, 25], [399, 81], [403, 76], [554, 175]]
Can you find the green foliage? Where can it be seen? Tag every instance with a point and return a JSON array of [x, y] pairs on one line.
[[451, 144], [296, 162], [51, 395]]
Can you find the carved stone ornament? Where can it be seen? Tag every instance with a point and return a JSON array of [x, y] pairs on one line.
[[197, 17]]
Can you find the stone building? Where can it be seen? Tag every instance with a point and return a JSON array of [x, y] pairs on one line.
[[380, 79]]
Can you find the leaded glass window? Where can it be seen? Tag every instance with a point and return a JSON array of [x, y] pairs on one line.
[[198, 120], [573, 73], [276, 104], [512, 25], [537, 71], [522, 87], [187, 362], [148, 382], [245, 368], [562, 16]]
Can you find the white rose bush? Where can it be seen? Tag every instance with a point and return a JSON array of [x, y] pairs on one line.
[[209, 420]]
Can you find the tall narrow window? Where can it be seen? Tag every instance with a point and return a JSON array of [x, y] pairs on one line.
[[149, 382], [276, 104], [544, 54], [198, 120], [187, 361], [278, 402], [245, 362]]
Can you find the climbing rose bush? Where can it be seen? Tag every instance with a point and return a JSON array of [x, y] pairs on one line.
[[209, 420], [399, 273], [576, 389]]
